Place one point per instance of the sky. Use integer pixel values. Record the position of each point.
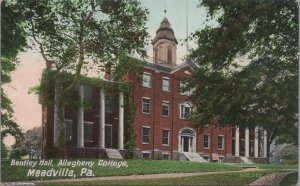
(26, 107)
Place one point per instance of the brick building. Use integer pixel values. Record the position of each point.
(160, 124)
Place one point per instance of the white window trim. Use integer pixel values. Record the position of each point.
(162, 85)
(146, 152)
(143, 135)
(166, 153)
(166, 145)
(167, 102)
(208, 141)
(223, 139)
(223, 157)
(143, 105)
(185, 103)
(150, 83)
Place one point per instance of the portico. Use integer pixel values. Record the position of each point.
(254, 145)
(103, 135)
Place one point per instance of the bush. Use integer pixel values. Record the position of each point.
(289, 153)
(52, 151)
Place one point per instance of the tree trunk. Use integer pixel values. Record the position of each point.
(62, 133)
(57, 90)
(59, 118)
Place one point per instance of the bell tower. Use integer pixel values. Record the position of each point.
(164, 44)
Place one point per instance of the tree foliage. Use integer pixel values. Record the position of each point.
(77, 36)
(13, 40)
(31, 142)
(259, 89)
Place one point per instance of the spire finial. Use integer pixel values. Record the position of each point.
(165, 11)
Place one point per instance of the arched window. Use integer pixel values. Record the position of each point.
(187, 132)
(185, 110)
(169, 60)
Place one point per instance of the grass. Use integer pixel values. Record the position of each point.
(212, 179)
(135, 167)
(290, 179)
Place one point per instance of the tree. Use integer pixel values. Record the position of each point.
(3, 150)
(259, 91)
(72, 35)
(289, 153)
(13, 40)
(31, 142)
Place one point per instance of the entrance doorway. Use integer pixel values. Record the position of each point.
(187, 143)
(108, 136)
(187, 140)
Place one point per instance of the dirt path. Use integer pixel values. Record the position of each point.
(147, 176)
(271, 179)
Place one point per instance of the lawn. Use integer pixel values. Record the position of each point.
(290, 179)
(217, 179)
(135, 167)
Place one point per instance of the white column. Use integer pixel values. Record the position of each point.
(121, 121)
(256, 142)
(190, 150)
(194, 144)
(80, 123)
(102, 120)
(237, 141)
(247, 140)
(179, 143)
(265, 143)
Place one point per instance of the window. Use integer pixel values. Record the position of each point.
(221, 159)
(169, 54)
(206, 141)
(69, 127)
(206, 158)
(165, 137)
(88, 131)
(166, 84)
(165, 109)
(146, 155)
(146, 135)
(147, 80)
(220, 142)
(146, 106)
(88, 94)
(166, 156)
(185, 111)
(108, 103)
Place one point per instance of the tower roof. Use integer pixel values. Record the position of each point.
(165, 31)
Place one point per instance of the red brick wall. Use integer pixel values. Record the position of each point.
(157, 122)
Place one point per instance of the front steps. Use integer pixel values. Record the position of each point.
(246, 160)
(113, 154)
(194, 157)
